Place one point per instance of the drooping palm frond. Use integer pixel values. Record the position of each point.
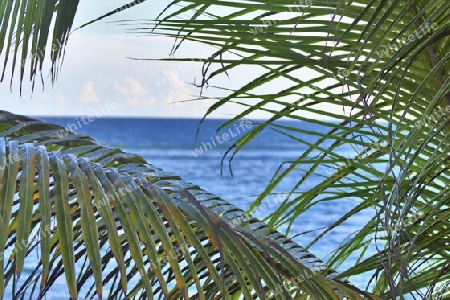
(108, 223)
(387, 63)
(32, 31)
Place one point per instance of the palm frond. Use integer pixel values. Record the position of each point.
(112, 225)
(387, 64)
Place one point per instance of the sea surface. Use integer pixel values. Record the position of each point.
(174, 146)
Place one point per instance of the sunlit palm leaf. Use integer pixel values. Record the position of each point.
(110, 224)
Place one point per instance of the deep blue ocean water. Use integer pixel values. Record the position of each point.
(171, 144)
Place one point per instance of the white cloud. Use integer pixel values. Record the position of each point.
(131, 87)
(134, 93)
(89, 95)
(179, 90)
(175, 79)
(179, 100)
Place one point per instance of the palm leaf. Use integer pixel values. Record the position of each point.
(388, 64)
(113, 225)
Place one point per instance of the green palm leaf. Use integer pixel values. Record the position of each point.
(112, 224)
(387, 63)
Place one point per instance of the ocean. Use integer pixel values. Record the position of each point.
(172, 144)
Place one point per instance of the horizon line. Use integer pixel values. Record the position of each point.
(166, 117)
(147, 117)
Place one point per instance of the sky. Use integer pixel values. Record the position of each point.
(97, 76)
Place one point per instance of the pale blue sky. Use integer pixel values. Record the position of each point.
(97, 73)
